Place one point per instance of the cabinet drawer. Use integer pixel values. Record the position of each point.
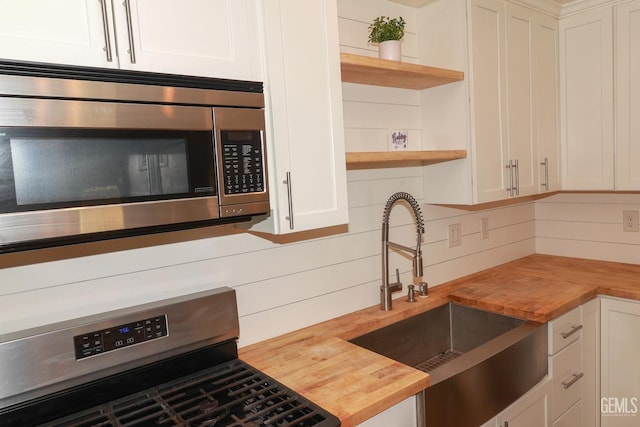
(571, 418)
(564, 330)
(566, 371)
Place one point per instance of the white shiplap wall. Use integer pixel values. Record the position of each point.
(587, 225)
(282, 287)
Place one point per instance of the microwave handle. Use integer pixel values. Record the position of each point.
(287, 181)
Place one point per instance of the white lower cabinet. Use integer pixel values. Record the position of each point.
(590, 315)
(402, 414)
(573, 365)
(571, 418)
(531, 410)
(620, 379)
(567, 371)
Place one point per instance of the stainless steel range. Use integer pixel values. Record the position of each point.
(170, 363)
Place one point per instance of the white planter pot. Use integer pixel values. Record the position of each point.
(390, 50)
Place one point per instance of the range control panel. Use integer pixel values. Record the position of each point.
(242, 160)
(97, 342)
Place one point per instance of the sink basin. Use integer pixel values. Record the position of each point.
(479, 362)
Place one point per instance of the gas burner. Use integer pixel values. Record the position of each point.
(230, 395)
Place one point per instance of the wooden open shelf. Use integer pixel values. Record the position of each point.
(374, 159)
(381, 72)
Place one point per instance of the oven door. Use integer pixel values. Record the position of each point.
(70, 168)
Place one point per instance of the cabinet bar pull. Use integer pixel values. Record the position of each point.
(132, 52)
(517, 172)
(576, 377)
(574, 329)
(546, 173)
(510, 167)
(290, 196)
(105, 29)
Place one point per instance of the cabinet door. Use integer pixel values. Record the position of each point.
(487, 39)
(628, 96)
(546, 95)
(571, 418)
(590, 320)
(63, 32)
(530, 410)
(586, 82)
(620, 369)
(307, 170)
(402, 414)
(210, 38)
(521, 132)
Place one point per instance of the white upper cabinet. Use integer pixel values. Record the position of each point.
(65, 32)
(627, 63)
(600, 81)
(307, 170)
(210, 38)
(546, 95)
(522, 134)
(489, 135)
(586, 73)
(511, 124)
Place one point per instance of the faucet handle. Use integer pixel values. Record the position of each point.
(397, 286)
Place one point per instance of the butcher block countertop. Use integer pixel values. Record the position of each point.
(355, 384)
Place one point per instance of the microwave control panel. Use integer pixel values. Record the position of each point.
(98, 342)
(242, 162)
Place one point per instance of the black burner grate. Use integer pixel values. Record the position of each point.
(230, 395)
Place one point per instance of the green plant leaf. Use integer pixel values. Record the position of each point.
(384, 28)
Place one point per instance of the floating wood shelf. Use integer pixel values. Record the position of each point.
(381, 72)
(366, 159)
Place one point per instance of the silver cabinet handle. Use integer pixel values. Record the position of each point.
(574, 329)
(510, 167)
(132, 51)
(105, 29)
(290, 196)
(517, 173)
(572, 381)
(546, 173)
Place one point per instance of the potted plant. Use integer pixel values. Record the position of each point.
(387, 32)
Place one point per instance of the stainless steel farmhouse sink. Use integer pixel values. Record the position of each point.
(479, 362)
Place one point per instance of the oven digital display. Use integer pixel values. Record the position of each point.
(98, 342)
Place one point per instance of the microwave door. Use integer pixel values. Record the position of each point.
(159, 171)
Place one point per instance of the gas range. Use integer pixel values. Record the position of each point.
(170, 363)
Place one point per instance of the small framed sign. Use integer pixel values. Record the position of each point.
(398, 140)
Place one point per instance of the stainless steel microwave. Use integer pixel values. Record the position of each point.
(93, 154)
